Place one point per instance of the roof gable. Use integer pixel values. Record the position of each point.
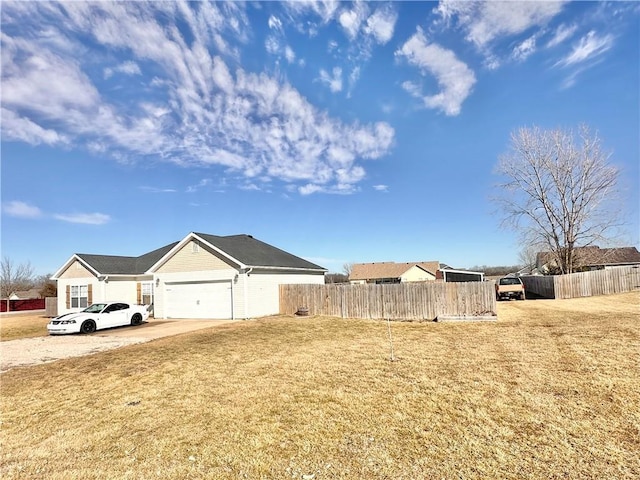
(379, 270)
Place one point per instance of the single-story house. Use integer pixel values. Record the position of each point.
(25, 294)
(592, 258)
(392, 272)
(201, 276)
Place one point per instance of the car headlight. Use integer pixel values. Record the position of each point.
(66, 322)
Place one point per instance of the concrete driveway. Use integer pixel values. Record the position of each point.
(33, 351)
(160, 328)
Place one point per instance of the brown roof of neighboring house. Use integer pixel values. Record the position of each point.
(596, 256)
(26, 294)
(367, 271)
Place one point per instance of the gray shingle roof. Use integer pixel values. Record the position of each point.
(254, 253)
(244, 248)
(118, 265)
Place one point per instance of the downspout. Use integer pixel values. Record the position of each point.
(233, 297)
(246, 296)
(104, 287)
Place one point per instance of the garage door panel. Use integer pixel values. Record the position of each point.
(199, 299)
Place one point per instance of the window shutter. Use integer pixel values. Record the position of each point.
(89, 294)
(139, 292)
(68, 296)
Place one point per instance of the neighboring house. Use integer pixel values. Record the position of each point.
(201, 276)
(391, 272)
(592, 258)
(25, 294)
(447, 274)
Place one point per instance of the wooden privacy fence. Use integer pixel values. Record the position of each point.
(51, 307)
(585, 284)
(540, 285)
(403, 301)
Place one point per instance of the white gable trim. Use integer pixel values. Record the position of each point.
(182, 243)
(69, 262)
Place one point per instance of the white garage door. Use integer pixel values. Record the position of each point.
(198, 299)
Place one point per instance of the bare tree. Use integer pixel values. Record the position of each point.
(346, 268)
(561, 191)
(335, 278)
(46, 287)
(528, 256)
(14, 277)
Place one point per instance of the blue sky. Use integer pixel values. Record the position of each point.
(341, 132)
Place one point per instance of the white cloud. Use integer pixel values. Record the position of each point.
(325, 9)
(289, 54)
(382, 24)
(84, 218)
(351, 20)
(586, 53)
(202, 183)
(194, 111)
(127, 68)
(250, 187)
(333, 82)
(20, 209)
(485, 21)
(274, 23)
(18, 128)
(272, 45)
(157, 189)
(381, 188)
(340, 189)
(276, 42)
(354, 76)
(363, 29)
(454, 77)
(525, 49)
(562, 33)
(589, 47)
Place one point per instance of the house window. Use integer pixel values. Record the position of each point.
(195, 247)
(147, 293)
(79, 296)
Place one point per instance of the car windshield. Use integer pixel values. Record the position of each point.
(95, 308)
(509, 281)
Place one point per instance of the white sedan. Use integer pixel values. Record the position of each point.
(99, 316)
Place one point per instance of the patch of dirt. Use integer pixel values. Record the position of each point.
(34, 351)
(37, 350)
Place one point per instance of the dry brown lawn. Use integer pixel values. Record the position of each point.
(22, 326)
(551, 390)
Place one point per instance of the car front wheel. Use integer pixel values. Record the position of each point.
(136, 319)
(88, 326)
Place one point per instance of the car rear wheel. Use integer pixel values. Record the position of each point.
(88, 326)
(136, 319)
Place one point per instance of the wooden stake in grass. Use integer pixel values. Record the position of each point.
(392, 358)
